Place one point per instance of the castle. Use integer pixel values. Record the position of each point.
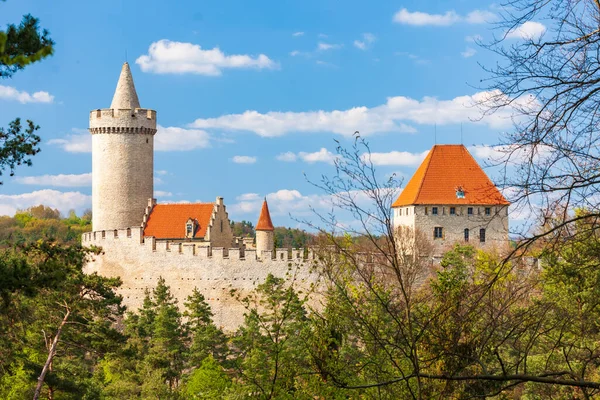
(192, 245)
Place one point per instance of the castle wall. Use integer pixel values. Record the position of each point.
(216, 272)
(122, 166)
(495, 225)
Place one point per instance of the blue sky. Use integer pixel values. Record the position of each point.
(261, 89)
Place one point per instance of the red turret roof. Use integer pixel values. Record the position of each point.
(168, 221)
(264, 220)
(446, 170)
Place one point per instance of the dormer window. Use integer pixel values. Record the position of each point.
(190, 228)
(460, 192)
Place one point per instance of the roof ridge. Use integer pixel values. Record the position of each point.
(428, 159)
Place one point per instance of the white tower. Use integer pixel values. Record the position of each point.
(122, 158)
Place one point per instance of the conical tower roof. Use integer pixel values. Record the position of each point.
(264, 220)
(125, 95)
(450, 175)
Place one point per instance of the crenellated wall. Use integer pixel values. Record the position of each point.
(140, 261)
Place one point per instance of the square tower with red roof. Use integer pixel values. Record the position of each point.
(451, 200)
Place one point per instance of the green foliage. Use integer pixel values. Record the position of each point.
(242, 229)
(43, 223)
(17, 144)
(22, 45)
(208, 382)
(291, 237)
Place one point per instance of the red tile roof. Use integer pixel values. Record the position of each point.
(446, 169)
(264, 220)
(167, 221)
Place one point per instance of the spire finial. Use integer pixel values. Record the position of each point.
(125, 95)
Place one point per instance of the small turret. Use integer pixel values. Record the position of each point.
(264, 231)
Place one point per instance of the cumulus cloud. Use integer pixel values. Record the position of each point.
(244, 159)
(296, 34)
(469, 52)
(418, 18)
(168, 57)
(10, 93)
(180, 139)
(288, 156)
(365, 43)
(528, 30)
(402, 158)
(392, 116)
(509, 153)
(60, 180)
(162, 193)
(166, 139)
(322, 155)
(63, 201)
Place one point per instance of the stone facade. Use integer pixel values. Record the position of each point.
(215, 271)
(453, 221)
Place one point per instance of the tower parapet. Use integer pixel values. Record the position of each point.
(122, 158)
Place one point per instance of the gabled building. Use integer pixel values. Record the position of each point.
(451, 200)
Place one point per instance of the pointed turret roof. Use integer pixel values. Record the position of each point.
(264, 220)
(450, 175)
(125, 95)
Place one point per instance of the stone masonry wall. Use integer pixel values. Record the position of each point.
(139, 262)
(219, 231)
(122, 166)
(495, 224)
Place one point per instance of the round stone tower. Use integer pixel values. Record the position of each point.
(122, 158)
(265, 238)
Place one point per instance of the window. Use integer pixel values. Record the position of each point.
(460, 193)
(221, 225)
(438, 232)
(407, 211)
(488, 211)
(470, 210)
(426, 210)
(189, 229)
(452, 210)
(482, 235)
(400, 212)
(466, 234)
(434, 210)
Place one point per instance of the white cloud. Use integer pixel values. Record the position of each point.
(63, 201)
(78, 143)
(166, 139)
(60, 180)
(161, 193)
(244, 159)
(415, 58)
(469, 52)
(480, 17)
(322, 155)
(392, 116)
(167, 57)
(403, 158)
(509, 154)
(473, 38)
(288, 156)
(161, 172)
(528, 30)
(327, 46)
(248, 197)
(368, 39)
(326, 64)
(418, 18)
(10, 93)
(296, 34)
(180, 139)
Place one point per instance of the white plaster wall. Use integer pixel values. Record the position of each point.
(265, 241)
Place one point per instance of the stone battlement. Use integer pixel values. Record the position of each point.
(108, 120)
(201, 250)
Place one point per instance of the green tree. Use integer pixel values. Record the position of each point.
(206, 339)
(20, 46)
